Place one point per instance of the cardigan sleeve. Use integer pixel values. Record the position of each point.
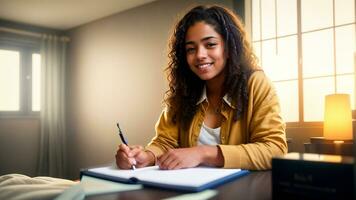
(166, 135)
(265, 127)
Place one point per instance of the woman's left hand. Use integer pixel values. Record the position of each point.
(180, 158)
(191, 157)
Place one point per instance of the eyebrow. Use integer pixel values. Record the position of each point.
(204, 39)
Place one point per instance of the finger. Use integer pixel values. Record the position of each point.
(120, 155)
(122, 160)
(173, 165)
(169, 163)
(164, 157)
(132, 161)
(136, 147)
(143, 159)
(134, 152)
(124, 148)
(165, 164)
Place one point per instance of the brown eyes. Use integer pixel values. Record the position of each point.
(189, 50)
(209, 45)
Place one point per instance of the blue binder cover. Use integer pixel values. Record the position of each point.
(188, 180)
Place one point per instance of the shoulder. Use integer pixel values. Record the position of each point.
(260, 86)
(259, 79)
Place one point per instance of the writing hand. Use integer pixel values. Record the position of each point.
(143, 158)
(129, 155)
(124, 157)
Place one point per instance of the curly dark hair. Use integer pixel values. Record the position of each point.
(185, 88)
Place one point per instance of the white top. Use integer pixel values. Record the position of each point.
(209, 136)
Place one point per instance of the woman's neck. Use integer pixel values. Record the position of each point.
(214, 92)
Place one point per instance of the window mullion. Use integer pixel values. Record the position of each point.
(261, 42)
(25, 82)
(22, 73)
(334, 47)
(300, 63)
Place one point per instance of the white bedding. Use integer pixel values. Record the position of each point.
(21, 187)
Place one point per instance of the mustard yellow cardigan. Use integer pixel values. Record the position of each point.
(248, 143)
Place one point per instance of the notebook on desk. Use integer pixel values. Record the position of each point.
(191, 179)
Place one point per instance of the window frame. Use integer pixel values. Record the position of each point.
(25, 97)
(249, 24)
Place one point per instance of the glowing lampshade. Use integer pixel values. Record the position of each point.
(337, 117)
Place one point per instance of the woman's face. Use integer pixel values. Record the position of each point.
(205, 51)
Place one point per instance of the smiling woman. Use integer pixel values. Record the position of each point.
(221, 109)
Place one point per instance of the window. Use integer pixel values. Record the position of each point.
(307, 48)
(20, 72)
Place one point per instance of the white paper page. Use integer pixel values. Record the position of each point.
(186, 177)
(114, 171)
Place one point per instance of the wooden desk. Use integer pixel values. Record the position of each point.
(254, 186)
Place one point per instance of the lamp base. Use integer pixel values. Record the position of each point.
(320, 145)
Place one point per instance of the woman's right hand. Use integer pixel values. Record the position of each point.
(134, 155)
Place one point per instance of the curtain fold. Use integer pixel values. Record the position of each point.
(52, 155)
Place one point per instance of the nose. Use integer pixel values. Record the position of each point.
(201, 53)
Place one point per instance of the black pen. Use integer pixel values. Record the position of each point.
(123, 140)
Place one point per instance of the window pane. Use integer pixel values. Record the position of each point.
(255, 20)
(346, 84)
(268, 19)
(288, 96)
(316, 14)
(9, 80)
(315, 91)
(344, 11)
(257, 50)
(345, 48)
(318, 53)
(36, 82)
(286, 17)
(280, 64)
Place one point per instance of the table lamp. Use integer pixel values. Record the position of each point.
(338, 133)
(338, 118)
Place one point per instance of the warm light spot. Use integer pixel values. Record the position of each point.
(9, 80)
(324, 65)
(36, 82)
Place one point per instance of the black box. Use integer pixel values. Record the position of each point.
(312, 176)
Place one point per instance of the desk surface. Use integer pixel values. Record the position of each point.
(254, 186)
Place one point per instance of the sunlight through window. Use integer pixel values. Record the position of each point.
(306, 59)
(36, 82)
(9, 80)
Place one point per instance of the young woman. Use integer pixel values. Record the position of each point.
(221, 109)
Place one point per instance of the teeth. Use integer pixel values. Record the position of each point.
(202, 66)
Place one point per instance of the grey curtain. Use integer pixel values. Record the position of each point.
(53, 156)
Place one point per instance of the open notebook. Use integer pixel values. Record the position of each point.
(192, 179)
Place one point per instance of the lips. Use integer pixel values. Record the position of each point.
(204, 65)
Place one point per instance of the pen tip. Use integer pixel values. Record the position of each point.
(118, 126)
